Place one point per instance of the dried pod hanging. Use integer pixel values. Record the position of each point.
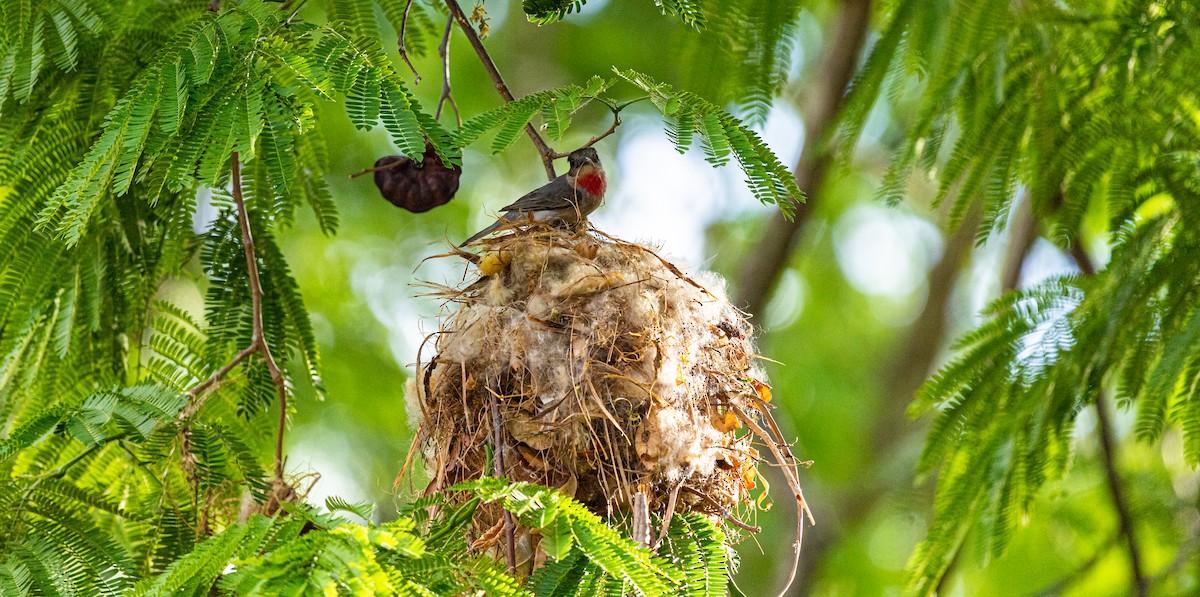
(608, 373)
(417, 187)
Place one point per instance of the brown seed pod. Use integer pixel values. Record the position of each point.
(417, 187)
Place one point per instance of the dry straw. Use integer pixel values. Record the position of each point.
(598, 368)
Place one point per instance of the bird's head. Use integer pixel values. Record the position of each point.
(580, 158)
(586, 171)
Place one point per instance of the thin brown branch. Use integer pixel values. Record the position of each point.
(725, 513)
(1079, 254)
(787, 466)
(258, 344)
(373, 169)
(612, 129)
(770, 257)
(1020, 240)
(670, 513)
(444, 53)
(1060, 586)
(1108, 452)
(401, 44)
(1108, 449)
(257, 337)
(197, 394)
(489, 65)
(641, 519)
(499, 470)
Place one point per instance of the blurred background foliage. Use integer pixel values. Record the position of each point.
(867, 305)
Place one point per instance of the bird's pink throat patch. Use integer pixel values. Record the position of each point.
(592, 182)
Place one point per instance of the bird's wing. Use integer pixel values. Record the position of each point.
(556, 194)
(482, 233)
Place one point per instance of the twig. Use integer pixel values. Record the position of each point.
(444, 53)
(1064, 583)
(257, 336)
(489, 65)
(196, 395)
(387, 166)
(616, 112)
(499, 470)
(400, 43)
(725, 513)
(641, 519)
(59, 472)
(295, 7)
(258, 342)
(791, 475)
(1109, 451)
(612, 129)
(670, 513)
(1024, 232)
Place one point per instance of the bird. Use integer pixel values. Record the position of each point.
(568, 198)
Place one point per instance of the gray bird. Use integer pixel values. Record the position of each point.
(568, 198)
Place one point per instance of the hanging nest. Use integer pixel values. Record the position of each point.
(609, 375)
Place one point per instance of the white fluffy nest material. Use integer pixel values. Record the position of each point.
(607, 371)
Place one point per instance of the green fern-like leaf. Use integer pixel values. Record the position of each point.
(544, 12)
(721, 136)
(619, 557)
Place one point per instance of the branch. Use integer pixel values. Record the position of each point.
(500, 471)
(444, 53)
(1060, 586)
(616, 112)
(770, 257)
(1024, 232)
(612, 129)
(725, 513)
(1109, 451)
(258, 342)
(196, 394)
(400, 43)
(1079, 254)
(257, 337)
(489, 65)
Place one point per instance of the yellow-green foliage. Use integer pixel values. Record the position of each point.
(113, 117)
(1089, 110)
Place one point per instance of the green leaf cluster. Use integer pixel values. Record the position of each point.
(544, 12)
(556, 107)
(722, 137)
(121, 472)
(592, 558)
(1086, 110)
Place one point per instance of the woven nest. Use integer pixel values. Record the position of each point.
(608, 373)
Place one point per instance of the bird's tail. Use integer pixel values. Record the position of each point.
(482, 233)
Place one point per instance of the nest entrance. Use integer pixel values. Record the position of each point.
(606, 372)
